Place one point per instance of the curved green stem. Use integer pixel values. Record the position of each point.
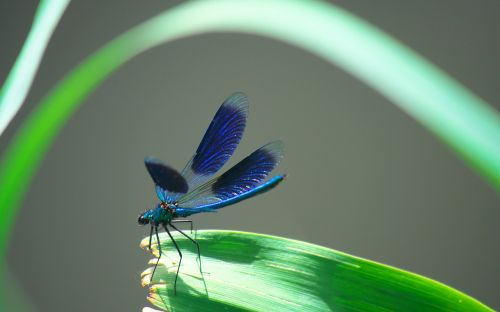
(18, 82)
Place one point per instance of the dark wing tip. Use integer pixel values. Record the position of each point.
(249, 172)
(275, 150)
(151, 159)
(165, 177)
(239, 100)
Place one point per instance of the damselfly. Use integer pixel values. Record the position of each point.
(194, 190)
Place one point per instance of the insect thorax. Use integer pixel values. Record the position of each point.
(165, 212)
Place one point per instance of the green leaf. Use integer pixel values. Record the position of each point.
(248, 271)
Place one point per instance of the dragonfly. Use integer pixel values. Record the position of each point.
(196, 190)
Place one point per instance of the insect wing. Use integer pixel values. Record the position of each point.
(163, 195)
(211, 207)
(169, 182)
(219, 142)
(243, 177)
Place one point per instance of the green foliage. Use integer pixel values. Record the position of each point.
(248, 271)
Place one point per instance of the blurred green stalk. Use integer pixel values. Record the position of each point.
(12, 96)
(18, 82)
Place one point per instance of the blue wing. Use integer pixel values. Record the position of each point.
(169, 182)
(211, 207)
(219, 142)
(240, 182)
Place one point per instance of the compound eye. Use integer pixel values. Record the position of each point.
(142, 220)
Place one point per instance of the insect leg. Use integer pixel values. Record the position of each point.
(150, 237)
(184, 221)
(159, 249)
(192, 240)
(180, 256)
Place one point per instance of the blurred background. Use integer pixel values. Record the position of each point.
(364, 178)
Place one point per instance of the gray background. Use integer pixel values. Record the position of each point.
(365, 178)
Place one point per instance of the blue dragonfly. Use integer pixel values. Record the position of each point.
(195, 190)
